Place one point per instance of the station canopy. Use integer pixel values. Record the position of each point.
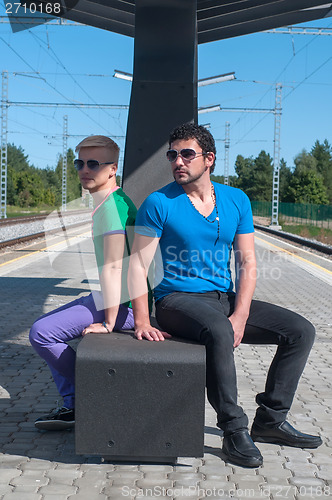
(216, 19)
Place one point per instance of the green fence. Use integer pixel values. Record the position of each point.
(317, 215)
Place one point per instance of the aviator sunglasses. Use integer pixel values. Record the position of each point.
(187, 154)
(92, 164)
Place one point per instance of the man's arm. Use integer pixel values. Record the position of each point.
(143, 251)
(110, 282)
(245, 282)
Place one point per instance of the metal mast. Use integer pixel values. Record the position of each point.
(4, 128)
(227, 143)
(276, 158)
(64, 163)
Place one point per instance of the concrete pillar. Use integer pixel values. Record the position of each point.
(164, 90)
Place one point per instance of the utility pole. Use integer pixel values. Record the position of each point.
(64, 163)
(227, 143)
(90, 201)
(4, 128)
(276, 158)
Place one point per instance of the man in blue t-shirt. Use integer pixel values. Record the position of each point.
(193, 225)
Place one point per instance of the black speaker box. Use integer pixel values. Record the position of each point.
(139, 400)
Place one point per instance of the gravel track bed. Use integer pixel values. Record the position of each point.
(9, 232)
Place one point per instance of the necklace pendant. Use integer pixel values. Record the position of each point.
(217, 218)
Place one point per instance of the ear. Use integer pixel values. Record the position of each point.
(209, 159)
(113, 169)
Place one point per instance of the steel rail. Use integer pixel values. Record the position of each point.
(316, 245)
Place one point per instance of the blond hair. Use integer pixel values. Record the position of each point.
(99, 141)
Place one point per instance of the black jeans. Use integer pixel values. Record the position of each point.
(203, 317)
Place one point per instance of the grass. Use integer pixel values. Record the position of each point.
(308, 231)
(16, 211)
(321, 234)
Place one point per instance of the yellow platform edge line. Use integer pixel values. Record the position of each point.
(43, 249)
(294, 255)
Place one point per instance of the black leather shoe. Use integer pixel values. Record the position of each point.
(239, 449)
(284, 434)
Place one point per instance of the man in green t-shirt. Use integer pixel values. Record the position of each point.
(112, 218)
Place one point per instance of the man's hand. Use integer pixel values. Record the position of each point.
(238, 324)
(148, 332)
(96, 328)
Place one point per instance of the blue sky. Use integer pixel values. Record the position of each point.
(67, 56)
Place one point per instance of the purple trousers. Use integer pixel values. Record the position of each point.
(49, 335)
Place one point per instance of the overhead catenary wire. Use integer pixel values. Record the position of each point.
(286, 96)
(278, 79)
(26, 126)
(50, 85)
(309, 76)
(49, 50)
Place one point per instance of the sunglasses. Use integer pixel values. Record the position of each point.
(187, 154)
(92, 164)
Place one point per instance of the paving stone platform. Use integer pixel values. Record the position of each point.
(38, 465)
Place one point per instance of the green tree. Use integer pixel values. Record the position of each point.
(261, 189)
(50, 197)
(24, 185)
(28, 186)
(74, 189)
(16, 159)
(243, 169)
(232, 179)
(322, 152)
(30, 190)
(306, 184)
(217, 178)
(285, 176)
(51, 183)
(11, 186)
(255, 176)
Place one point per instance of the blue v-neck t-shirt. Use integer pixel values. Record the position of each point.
(191, 260)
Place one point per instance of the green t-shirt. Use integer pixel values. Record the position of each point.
(114, 215)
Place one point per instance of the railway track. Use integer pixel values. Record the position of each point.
(35, 236)
(60, 216)
(303, 242)
(11, 221)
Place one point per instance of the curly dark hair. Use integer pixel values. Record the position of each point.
(202, 136)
